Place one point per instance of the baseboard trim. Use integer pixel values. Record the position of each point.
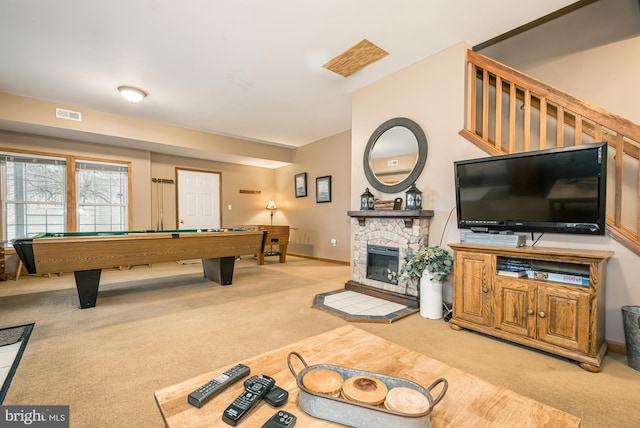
(403, 299)
(338, 262)
(617, 347)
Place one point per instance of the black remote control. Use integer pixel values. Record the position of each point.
(248, 400)
(276, 397)
(281, 419)
(206, 392)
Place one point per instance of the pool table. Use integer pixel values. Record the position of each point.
(87, 253)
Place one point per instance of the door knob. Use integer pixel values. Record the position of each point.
(181, 221)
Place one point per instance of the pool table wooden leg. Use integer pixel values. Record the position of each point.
(87, 282)
(219, 270)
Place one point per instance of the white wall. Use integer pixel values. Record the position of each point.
(431, 92)
(314, 225)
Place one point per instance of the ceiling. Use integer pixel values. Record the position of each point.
(245, 68)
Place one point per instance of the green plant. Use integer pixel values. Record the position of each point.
(436, 260)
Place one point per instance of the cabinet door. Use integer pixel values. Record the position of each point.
(515, 306)
(563, 317)
(472, 287)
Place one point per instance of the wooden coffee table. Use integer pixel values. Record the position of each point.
(469, 400)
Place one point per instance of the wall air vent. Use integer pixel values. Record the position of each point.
(68, 114)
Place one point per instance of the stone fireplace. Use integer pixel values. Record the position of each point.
(393, 229)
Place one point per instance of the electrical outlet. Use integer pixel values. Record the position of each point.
(229, 207)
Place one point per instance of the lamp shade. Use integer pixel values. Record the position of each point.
(131, 94)
(271, 206)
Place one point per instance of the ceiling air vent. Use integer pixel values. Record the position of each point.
(356, 58)
(68, 114)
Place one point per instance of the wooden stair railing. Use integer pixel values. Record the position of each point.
(495, 124)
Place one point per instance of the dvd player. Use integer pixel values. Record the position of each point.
(511, 240)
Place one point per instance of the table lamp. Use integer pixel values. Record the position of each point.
(271, 206)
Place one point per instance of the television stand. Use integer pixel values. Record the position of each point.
(562, 318)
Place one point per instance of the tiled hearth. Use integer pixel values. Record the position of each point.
(357, 307)
(403, 229)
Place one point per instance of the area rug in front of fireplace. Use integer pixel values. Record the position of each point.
(358, 307)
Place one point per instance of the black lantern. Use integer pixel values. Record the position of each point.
(366, 200)
(413, 198)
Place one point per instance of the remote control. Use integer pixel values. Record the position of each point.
(206, 392)
(281, 419)
(248, 400)
(276, 397)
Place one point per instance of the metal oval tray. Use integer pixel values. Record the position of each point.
(355, 414)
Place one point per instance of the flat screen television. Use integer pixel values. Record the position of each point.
(555, 190)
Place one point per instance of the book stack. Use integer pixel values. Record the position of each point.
(512, 267)
(564, 273)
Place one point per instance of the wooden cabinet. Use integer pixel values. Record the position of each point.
(472, 276)
(560, 318)
(564, 317)
(515, 307)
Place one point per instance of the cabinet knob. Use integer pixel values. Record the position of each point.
(485, 289)
(542, 314)
(529, 311)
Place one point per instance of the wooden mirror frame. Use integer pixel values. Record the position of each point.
(417, 168)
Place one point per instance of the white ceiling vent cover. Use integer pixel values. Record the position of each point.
(68, 114)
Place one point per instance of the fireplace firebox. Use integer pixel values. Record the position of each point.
(382, 263)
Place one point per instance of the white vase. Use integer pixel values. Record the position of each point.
(430, 297)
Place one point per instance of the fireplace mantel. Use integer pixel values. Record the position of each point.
(407, 215)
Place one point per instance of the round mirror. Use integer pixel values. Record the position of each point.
(395, 155)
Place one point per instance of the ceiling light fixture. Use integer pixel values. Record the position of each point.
(131, 94)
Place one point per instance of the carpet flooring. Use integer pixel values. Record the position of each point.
(155, 327)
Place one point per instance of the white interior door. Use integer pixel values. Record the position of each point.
(198, 199)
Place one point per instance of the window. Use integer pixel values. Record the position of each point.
(62, 193)
(102, 196)
(34, 195)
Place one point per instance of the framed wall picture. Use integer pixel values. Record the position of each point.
(323, 189)
(300, 183)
